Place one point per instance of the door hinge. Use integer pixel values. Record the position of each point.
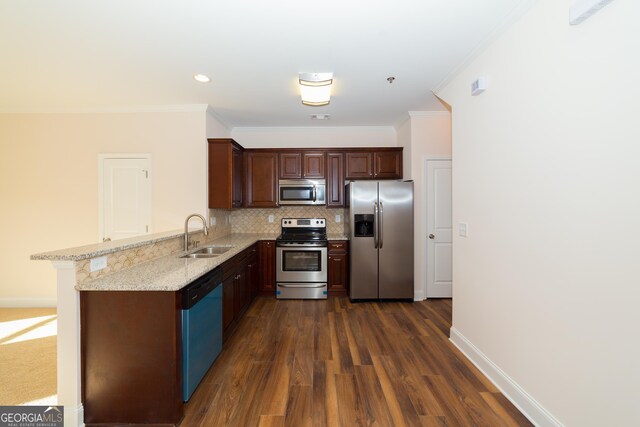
(146, 173)
(147, 227)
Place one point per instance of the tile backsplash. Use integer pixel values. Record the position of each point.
(257, 220)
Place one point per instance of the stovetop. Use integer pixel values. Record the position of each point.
(303, 230)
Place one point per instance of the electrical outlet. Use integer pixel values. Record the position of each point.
(338, 218)
(212, 220)
(99, 263)
(271, 218)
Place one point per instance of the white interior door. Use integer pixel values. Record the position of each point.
(125, 197)
(439, 229)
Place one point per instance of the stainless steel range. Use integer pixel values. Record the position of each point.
(301, 259)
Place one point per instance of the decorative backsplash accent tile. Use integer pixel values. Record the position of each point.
(129, 257)
(257, 220)
(124, 259)
(227, 222)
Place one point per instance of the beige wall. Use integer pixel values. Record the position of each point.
(282, 137)
(426, 134)
(546, 175)
(49, 184)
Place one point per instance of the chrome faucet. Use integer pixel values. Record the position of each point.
(186, 229)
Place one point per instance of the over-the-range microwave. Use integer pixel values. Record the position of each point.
(301, 192)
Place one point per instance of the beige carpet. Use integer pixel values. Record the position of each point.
(27, 356)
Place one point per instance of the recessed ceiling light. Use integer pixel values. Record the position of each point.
(201, 78)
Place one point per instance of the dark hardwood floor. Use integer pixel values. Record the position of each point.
(334, 363)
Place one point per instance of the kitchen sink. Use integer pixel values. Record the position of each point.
(208, 252)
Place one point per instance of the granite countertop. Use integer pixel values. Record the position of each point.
(171, 273)
(337, 236)
(105, 248)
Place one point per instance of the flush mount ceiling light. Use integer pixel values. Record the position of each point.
(315, 88)
(201, 78)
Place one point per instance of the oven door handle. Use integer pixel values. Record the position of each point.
(301, 286)
(375, 224)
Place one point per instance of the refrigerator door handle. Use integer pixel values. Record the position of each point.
(380, 235)
(375, 225)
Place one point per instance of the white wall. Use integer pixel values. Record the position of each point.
(282, 137)
(49, 183)
(427, 134)
(546, 173)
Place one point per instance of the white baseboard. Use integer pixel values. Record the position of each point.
(529, 407)
(419, 295)
(28, 302)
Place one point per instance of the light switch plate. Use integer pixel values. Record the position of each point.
(338, 218)
(271, 218)
(463, 229)
(99, 263)
(212, 220)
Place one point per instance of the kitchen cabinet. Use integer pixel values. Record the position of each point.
(261, 179)
(267, 260)
(131, 357)
(387, 164)
(225, 173)
(374, 164)
(239, 285)
(301, 164)
(253, 274)
(335, 180)
(337, 268)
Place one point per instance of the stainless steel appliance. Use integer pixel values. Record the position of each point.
(301, 259)
(381, 234)
(301, 192)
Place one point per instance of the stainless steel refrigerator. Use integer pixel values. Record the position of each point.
(381, 234)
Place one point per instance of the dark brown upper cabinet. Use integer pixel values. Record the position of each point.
(261, 189)
(387, 164)
(335, 180)
(374, 164)
(359, 165)
(225, 173)
(305, 164)
(290, 165)
(313, 164)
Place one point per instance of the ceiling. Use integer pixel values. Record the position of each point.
(83, 54)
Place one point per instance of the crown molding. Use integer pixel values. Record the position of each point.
(312, 128)
(186, 108)
(224, 122)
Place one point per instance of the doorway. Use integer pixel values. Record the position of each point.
(439, 228)
(124, 195)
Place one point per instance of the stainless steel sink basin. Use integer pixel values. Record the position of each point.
(194, 255)
(208, 252)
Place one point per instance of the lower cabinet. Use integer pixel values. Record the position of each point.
(240, 284)
(131, 357)
(338, 268)
(267, 260)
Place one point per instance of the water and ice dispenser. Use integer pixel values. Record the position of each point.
(363, 225)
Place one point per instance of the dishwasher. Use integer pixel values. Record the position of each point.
(201, 329)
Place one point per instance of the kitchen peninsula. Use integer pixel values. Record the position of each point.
(138, 268)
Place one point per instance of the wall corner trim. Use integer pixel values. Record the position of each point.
(209, 110)
(529, 407)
